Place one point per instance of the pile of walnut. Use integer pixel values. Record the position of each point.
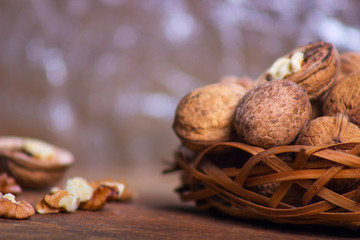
(310, 96)
(80, 194)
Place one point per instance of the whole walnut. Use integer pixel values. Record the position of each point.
(204, 116)
(343, 96)
(272, 114)
(314, 67)
(328, 130)
(350, 63)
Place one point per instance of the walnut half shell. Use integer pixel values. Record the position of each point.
(33, 163)
(320, 67)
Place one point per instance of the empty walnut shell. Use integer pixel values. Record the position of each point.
(204, 116)
(319, 70)
(328, 130)
(343, 96)
(26, 168)
(272, 114)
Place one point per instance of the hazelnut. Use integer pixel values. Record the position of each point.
(204, 116)
(328, 130)
(314, 67)
(343, 96)
(272, 114)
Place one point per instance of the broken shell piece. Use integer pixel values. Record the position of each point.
(33, 163)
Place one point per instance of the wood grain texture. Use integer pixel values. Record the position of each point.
(155, 215)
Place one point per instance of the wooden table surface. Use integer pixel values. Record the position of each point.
(156, 213)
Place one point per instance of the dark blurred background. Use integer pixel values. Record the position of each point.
(103, 78)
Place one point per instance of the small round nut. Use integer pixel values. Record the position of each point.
(315, 72)
(204, 116)
(343, 96)
(328, 130)
(272, 114)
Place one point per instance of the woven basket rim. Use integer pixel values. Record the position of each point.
(312, 167)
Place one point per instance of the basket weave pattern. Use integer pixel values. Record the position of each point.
(308, 177)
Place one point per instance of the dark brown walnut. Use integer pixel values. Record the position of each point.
(318, 71)
(272, 114)
(204, 116)
(33, 163)
(328, 130)
(344, 96)
(350, 63)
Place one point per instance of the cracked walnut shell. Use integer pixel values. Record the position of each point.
(316, 73)
(33, 163)
(204, 116)
(272, 114)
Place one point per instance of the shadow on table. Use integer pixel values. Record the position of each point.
(306, 230)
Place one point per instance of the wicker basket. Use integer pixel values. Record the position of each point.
(288, 184)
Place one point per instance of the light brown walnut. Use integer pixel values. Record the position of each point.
(343, 96)
(350, 63)
(204, 116)
(328, 130)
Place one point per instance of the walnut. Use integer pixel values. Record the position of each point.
(123, 193)
(272, 114)
(350, 63)
(314, 67)
(204, 116)
(80, 188)
(8, 184)
(80, 194)
(100, 197)
(33, 163)
(328, 130)
(10, 208)
(244, 81)
(59, 201)
(343, 96)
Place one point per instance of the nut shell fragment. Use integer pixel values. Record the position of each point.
(272, 114)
